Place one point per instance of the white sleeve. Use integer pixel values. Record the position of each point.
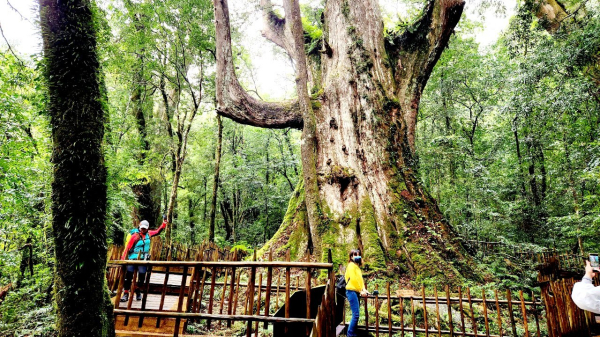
(586, 296)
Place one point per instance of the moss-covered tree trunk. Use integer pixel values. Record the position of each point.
(79, 186)
(360, 188)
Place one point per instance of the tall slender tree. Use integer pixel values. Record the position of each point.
(359, 186)
(79, 188)
(213, 203)
(146, 191)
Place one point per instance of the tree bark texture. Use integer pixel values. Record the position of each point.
(359, 187)
(147, 196)
(118, 235)
(79, 188)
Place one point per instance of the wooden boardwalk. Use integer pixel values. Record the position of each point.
(149, 327)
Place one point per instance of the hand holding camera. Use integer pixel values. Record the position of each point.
(592, 266)
(594, 262)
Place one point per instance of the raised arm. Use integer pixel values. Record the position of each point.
(159, 230)
(232, 100)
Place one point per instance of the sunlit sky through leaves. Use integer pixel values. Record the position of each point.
(270, 72)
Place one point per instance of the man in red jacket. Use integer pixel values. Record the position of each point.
(138, 248)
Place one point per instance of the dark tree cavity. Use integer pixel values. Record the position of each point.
(79, 201)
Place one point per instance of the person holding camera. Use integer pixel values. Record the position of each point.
(138, 248)
(355, 285)
(585, 295)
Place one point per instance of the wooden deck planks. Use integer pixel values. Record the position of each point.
(153, 302)
(167, 326)
(174, 279)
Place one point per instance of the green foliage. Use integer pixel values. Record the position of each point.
(241, 246)
(27, 310)
(24, 199)
(531, 89)
(313, 32)
(258, 167)
(24, 149)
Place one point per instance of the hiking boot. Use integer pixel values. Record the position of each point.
(138, 295)
(125, 297)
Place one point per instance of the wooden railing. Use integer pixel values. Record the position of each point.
(488, 313)
(194, 303)
(161, 251)
(458, 313)
(208, 251)
(563, 317)
(227, 291)
(324, 324)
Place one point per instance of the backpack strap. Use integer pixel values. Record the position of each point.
(131, 251)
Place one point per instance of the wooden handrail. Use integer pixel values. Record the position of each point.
(453, 300)
(227, 264)
(187, 315)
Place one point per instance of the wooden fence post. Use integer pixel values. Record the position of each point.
(269, 280)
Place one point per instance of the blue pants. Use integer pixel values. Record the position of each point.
(353, 301)
(129, 276)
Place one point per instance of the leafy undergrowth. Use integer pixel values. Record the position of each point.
(507, 273)
(27, 310)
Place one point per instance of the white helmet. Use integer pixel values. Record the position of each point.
(144, 224)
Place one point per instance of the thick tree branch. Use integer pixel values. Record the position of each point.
(417, 50)
(232, 100)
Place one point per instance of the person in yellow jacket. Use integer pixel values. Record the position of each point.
(354, 286)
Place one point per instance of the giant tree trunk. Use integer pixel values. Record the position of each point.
(360, 188)
(79, 186)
